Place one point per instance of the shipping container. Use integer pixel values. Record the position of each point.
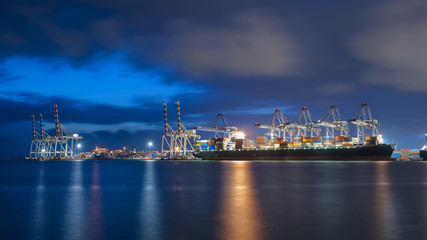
(297, 139)
(261, 139)
(339, 140)
(316, 140)
(327, 138)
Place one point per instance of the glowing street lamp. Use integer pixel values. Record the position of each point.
(150, 144)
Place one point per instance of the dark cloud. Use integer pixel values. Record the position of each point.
(253, 43)
(5, 76)
(395, 45)
(74, 111)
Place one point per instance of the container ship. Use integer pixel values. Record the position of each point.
(316, 148)
(301, 140)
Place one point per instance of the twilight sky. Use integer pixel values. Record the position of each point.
(110, 64)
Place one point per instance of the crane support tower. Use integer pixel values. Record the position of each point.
(177, 143)
(364, 120)
(424, 148)
(221, 129)
(277, 125)
(332, 121)
(59, 146)
(305, 123)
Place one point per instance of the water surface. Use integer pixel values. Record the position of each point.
(212, 200)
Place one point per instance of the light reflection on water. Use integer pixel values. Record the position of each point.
(96, 216)
(74, 224)
(37, 230)
(240, 212)
(213, 200)
(384, 208)
(150, 216)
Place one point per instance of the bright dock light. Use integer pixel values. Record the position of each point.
(380, 138)
(240, 135)
(150, 144)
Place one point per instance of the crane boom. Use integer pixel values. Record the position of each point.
(221, 127)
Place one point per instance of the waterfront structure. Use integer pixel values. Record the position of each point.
(177, 143)
(60, 146)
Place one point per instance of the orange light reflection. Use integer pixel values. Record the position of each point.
(240, 211)
(384, 205)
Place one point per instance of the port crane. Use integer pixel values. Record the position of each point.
(424, 148)
(60, 146)
(221, 129)
(276, 124)
(364, 120)
(332, 121)
(305, 123)
(42, 145)
(177, 143)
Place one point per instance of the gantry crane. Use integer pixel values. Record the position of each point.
(42, 145)
(221, 129)
(277, 125)
(177, 143)
(332, 121)
(364, 119)
(60, 146)
(305, 123)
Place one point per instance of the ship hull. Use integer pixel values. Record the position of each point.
(360, 153)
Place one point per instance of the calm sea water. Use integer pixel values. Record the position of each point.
(212, 200)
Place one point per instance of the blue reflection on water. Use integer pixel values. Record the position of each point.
(38, 226)
(150, 215)
(212, 200)
(96, 216)
(74, 217)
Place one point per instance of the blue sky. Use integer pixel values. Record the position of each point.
(109, 65)
(91, 82)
